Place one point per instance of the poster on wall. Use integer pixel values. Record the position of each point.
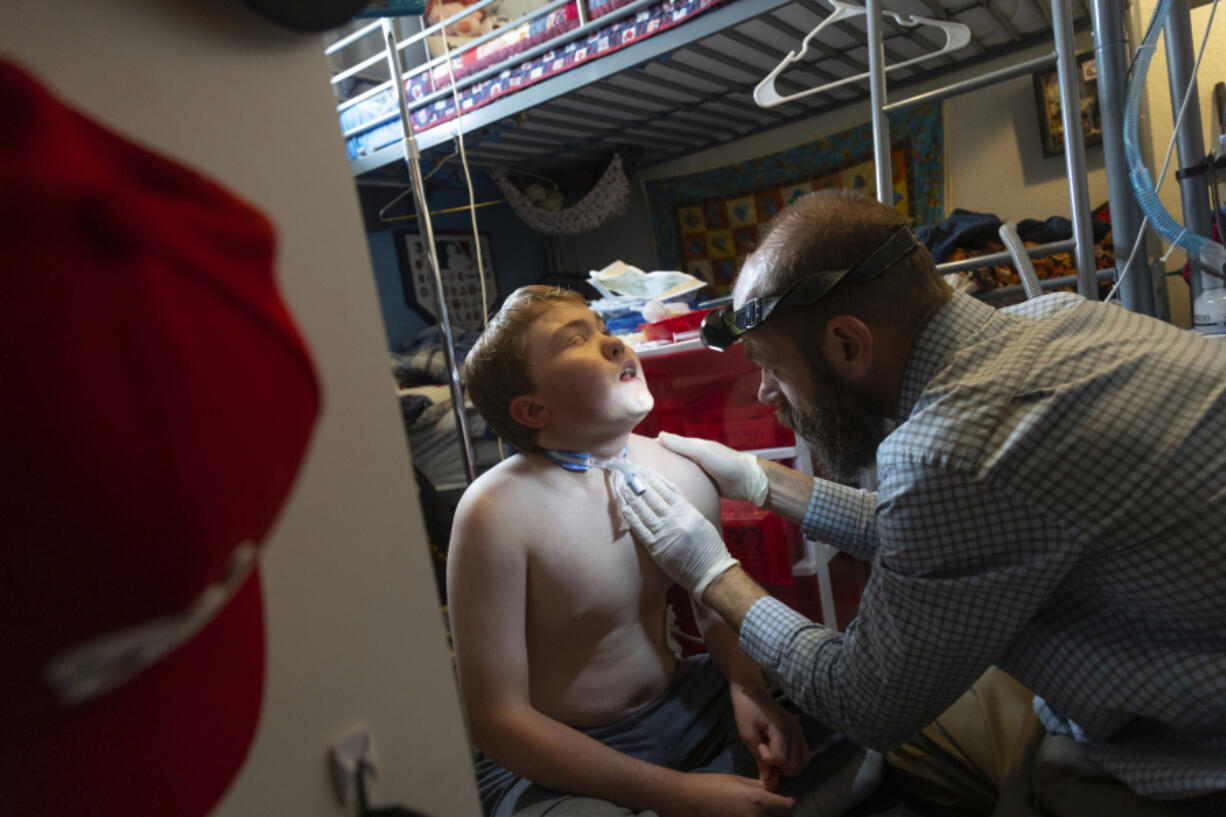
(457, 257)
(1047, 99)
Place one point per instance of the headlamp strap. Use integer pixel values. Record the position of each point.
(882, 259)
(750, 316)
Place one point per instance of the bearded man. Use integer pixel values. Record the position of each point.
(1048, 516)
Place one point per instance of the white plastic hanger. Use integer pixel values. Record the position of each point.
(956, 36)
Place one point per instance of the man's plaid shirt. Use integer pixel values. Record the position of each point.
(1053, 501)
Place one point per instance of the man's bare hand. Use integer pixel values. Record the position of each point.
(772, 734)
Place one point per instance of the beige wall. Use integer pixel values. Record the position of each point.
(995, 164)
(353, 626)
(994, 160)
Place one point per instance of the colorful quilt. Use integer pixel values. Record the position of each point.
(706, 223)
(717, 235)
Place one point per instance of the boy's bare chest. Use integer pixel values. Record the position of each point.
(582, 565)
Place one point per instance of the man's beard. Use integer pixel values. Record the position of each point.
(842, 431)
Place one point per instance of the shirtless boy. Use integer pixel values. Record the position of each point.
(558, 618)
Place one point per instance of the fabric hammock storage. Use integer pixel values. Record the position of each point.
(606, 200)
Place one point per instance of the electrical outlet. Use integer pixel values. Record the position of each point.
(352, 744)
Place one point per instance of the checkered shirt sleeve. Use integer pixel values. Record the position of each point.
(844, 517)
(933, 616)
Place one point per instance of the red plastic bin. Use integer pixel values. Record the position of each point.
(669, 328)
(701, 392)
(743, 435)
(763, 542)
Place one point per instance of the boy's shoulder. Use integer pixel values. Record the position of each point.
(497, 519)
(649, 452)
(691, 479)
(502, 487)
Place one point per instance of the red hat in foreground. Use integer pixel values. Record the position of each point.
(157, 404)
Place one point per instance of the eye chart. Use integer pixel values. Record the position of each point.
(457, 257)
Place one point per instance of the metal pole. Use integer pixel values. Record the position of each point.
(882, 163)
(1002, 293)
(1005, 257)
(1177, 33)
(412, 157)
(1074, 146)
(974, 83)
(1111, 59)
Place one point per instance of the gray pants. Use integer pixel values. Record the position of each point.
(690, 728)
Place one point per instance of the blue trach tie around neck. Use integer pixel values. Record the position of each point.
(572, 460)
(583, 460)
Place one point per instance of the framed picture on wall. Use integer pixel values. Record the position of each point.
(1047, 99)
(457, 256)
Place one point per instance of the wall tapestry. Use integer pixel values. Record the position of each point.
(706, 223)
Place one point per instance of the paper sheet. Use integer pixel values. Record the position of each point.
(620, 278)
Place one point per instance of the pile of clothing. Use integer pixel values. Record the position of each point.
(966, 234)
(421, 361)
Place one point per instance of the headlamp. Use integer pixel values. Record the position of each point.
(723, 327)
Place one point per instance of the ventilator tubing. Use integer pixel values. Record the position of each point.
(1021, 259)
(1209, 252)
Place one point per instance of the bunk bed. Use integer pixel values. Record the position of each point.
(577, 80)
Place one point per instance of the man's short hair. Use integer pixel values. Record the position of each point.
(496, 369)
(834, 229)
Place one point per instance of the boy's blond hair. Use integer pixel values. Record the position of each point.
(496, 370)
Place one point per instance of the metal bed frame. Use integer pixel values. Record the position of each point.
(731, 21)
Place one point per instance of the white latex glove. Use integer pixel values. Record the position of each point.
(685, 545)
(736, 474)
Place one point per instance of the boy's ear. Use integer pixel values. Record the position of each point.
(527, 412)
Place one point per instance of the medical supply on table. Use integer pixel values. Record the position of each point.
(657, 310)
(620, 278)
(676, 328)
(1209, 312)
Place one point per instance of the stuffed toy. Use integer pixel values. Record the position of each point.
(473, 25)
(551, 200)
